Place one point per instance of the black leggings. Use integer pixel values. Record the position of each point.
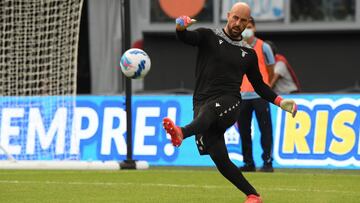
(210, 122)
(219, 154)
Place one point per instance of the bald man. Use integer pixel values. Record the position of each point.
(222, 61)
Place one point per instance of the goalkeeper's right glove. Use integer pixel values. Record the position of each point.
(183, 22)
(288, 105)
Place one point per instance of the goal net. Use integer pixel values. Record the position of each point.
(38, 65)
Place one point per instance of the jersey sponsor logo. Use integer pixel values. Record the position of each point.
(217, 104)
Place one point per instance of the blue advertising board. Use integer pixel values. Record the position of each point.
(324, 134)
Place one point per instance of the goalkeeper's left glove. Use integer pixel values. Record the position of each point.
(288, 105)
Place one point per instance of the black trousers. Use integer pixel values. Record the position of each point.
(262, 112)
(211, 119)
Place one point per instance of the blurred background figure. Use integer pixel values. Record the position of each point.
(284, 80)
(252, 102)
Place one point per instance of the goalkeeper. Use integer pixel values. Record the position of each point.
(223, 59)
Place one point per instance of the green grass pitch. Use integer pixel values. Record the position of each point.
(167, 184)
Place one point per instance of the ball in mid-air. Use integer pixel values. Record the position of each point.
(135, 63)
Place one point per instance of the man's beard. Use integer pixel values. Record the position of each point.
(235, 34)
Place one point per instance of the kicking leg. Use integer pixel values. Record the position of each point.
(204, 117)
(201, 122)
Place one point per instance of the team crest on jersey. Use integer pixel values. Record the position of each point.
(243, 53)
(220, 41)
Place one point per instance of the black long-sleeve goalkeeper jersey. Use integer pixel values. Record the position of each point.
(222, 63)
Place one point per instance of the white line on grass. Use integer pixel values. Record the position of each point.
(171, 185)
(317, 174)
(113, 183)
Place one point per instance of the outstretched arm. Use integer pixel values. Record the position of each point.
(265, 91)
(188, 37)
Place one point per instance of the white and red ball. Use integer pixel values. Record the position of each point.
(135, 63)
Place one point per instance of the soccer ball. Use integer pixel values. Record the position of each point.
(135, 63)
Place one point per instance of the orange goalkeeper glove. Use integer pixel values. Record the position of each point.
(184, 22)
